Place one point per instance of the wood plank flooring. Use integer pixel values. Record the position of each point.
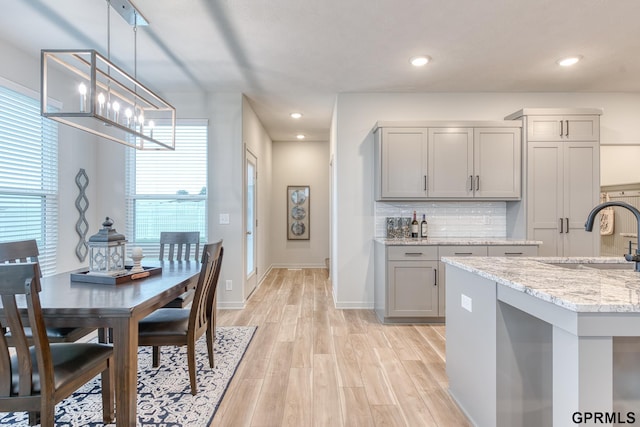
(310, 364)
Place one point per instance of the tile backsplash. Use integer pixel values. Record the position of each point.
(448, 219)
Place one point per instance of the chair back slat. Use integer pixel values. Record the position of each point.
(23, 280)
(198, 319)
(19, 252)
(181, 242)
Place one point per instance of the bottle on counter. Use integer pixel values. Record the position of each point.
(414, 226)
(423, 227)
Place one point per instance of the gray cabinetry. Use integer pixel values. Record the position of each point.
(401, 171)
(448, 161)
(412, 282)
(497, 158)
(562, 179)
(564, 128)
(410, 279)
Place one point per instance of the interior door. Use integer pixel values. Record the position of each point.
(250, 221)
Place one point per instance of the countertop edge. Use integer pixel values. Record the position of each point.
(456, 242)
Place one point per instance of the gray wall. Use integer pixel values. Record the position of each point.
(300, 163)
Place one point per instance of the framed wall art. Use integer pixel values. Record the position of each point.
(298, 212)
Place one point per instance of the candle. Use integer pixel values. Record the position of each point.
(101, 103)
(82, 88)
(116, 110)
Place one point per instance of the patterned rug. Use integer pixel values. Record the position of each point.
(164, 394)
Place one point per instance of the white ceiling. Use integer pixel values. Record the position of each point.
(296, 55)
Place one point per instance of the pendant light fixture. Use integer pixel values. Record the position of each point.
(99, 97)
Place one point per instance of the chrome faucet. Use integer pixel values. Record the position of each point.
(588, 226)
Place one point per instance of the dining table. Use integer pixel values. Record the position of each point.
(69, 303)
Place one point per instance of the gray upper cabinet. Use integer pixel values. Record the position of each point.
(497, 163)
(401, 158)
(564, 128)
(448, 161)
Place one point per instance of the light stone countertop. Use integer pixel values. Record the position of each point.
(458, 241)
(579, 290)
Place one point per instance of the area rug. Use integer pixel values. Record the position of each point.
(164, 394)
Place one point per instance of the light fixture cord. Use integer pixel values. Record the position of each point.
(135, 45)
(109, 30)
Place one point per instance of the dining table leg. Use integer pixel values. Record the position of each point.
(125, 350)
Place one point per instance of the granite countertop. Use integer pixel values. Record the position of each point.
(458, 241)
(581, 290)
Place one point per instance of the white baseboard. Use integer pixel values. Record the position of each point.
(354, 305)
(312, 265)
(230, 305)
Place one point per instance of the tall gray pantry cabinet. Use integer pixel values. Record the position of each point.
(562, 178)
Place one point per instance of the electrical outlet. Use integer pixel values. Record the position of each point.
(465, 301)
(229, 285)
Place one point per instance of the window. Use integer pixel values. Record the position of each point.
(28, 173)
(167, 190)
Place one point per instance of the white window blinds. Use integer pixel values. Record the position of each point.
(28, 173)
(167, 190)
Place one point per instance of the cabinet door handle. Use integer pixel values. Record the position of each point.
(513, 253)
(561, 226)
(567, 230)
(477, 182)
(470, 182)
(425, 183)
(567, 128)
(561, 127)
(413, 253)
(435, 277)
(463, 253)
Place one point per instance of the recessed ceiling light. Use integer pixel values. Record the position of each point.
(419, 61)
(569, 61)
(295, 115)
(300, 136)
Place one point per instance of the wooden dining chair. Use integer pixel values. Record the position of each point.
(34, 378)
(27, 251)
(178, 245)
(181, 326)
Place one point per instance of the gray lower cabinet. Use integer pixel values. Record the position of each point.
(409, 282)
(412, 288)
(406, 282)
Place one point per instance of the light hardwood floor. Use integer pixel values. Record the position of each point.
(310, 364)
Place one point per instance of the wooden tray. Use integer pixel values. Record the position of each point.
(83, 276)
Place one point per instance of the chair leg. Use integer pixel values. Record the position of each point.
(47, 417)
(156, 356)
(211, 337)
(191, 361)
(34, 418)
(108, 395)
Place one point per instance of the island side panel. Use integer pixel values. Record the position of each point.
(524, 369)
(471, 344)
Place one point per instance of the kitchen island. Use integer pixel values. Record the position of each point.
(543, 341)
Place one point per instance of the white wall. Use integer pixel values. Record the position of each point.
(300, 163)
(76, 149)
(352, 144)
(257, 141)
